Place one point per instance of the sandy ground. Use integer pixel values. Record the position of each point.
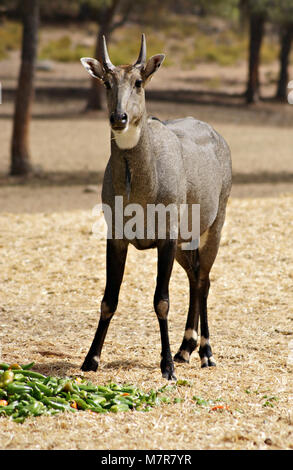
(52, 280)
(70, 153)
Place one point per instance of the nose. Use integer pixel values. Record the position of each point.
(118, 120)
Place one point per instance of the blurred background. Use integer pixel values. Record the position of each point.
(229, 62)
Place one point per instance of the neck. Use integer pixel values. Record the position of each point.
(134, 169)
(129, 138)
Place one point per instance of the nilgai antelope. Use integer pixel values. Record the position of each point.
(181, 161)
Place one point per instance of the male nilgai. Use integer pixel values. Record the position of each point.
(182, 161)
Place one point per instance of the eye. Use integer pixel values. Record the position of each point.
(107, 85)
(138, 83)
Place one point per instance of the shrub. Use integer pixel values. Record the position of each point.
(62, 50)
(10, 37)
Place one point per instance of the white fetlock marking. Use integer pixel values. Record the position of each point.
(96, 359)
(190, 333)
(204, 341)
(185, 355)
(204, 360)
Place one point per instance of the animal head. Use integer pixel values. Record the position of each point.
(125, 86)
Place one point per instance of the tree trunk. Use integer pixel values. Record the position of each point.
(20, 157)
(256, 35)
(286, 41)
(96, 93)
(243, 14)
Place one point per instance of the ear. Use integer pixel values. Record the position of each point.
(93, 66)
(153, 64)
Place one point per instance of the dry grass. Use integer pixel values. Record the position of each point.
(52, 280)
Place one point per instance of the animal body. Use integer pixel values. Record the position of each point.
(181, 161)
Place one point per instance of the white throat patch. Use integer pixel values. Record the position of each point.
(128, 138)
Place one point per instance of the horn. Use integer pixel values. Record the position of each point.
(142, 53)
(105, 57)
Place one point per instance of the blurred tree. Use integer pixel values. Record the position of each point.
(257, 11)
(223, 8)
(60, 11)
(106, 18)
(110, 15)
(282, 14)
(286, 41)
(253, 12)
(279, 12)
(20, 157)
(256, 32)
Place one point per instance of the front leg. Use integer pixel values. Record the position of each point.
(166, 255)
(116, 257)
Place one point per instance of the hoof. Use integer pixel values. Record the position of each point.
(207, 362)
(205, 354)
(90, 364)
(167, 369)
(168, 376)
(179, 357)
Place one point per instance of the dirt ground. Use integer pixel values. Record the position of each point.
(70, 148)
(70, 153)
(52, 280)
(53, 273)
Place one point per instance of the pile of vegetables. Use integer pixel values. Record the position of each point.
(25, 393)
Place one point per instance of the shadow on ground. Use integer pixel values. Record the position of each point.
(176, 96)
(96, 178)
(59, 368)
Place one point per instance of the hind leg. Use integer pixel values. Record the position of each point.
(205, 350)
(189, 260)
(197, 266)
(208, 250)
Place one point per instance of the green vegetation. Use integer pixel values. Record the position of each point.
(10, 38)
(269, 401)
(126, 51)
(25, 393)
(183, 383)
(186, 43)
(226, 48)
(201, 401)
(269, 51)
(222, 50)
(63, 50)
(123, 51)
